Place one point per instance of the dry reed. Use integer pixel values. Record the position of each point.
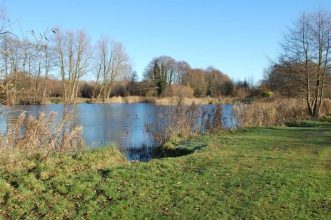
(264, 114)
(183, 120)
(173, 100)
(44, 132)
(178, 120)
(326, 107)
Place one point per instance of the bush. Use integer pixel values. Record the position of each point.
(267, 94)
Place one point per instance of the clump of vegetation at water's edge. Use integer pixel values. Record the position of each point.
(270, 173)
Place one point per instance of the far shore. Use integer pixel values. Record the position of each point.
(142, 99)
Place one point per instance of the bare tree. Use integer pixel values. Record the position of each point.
(4, 22)
(112, 65)
(73, 56)
(183, 69)
(306, 56)
(132, 83)
(45, 54)
(281, 82)
(11, 53)
(216, 81)
(9, 58)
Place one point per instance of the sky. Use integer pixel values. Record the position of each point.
(239, 37)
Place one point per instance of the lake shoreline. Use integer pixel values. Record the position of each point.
(267, 169)
(173, 100)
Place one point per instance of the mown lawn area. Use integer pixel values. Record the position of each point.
(269, 173)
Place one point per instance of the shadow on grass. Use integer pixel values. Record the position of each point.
(146, 153)
(178, 151)
(318, 124)
(300, 124)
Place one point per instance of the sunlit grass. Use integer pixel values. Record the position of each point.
(276, 173)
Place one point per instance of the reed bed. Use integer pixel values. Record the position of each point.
(273, 113)
(185, 101)
(173, 100)
(48, 145)
(44, 132)
(178, 121)
(182, 121)
(326, 107)
(131, 99)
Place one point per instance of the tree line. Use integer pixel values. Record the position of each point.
(39, 66)
(32, 65)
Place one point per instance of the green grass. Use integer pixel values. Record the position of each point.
(275, 173)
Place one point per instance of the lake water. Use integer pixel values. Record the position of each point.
(104, 124)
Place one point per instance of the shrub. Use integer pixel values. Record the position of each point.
(267, 94)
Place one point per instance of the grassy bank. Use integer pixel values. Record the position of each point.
(265, 173)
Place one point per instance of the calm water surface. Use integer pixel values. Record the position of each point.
(104, 124)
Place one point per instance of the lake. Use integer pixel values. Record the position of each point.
(104, 124)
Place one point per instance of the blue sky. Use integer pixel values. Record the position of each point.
(237, 37)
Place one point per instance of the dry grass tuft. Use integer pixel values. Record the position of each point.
(44, 132)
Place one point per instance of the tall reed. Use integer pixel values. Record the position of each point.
(44, 132)
(178, 120)
(264, 114)
(182, 120)
(187, 120)
(326, 107)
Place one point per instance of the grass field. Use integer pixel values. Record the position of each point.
(270, 173)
